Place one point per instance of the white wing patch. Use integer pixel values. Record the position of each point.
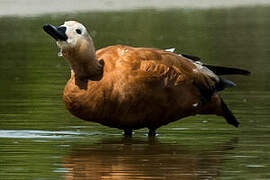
(202, 69)
(170, 50)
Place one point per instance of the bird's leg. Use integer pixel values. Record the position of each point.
(152, 132)
(128, 132)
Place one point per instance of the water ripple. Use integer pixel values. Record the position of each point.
(31, 134)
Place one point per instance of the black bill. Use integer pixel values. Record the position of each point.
(58, 33)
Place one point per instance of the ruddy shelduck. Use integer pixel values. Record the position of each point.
(132, 87)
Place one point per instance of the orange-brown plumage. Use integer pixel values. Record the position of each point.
(131, 88)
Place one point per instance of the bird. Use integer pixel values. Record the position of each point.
(130, 88)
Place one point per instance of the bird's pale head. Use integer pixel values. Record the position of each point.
(72, 38)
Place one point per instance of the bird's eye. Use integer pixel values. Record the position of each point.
(79, 31)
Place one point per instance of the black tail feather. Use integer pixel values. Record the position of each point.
(194, 58)
(224, 83)
(220, 70)
(228, 115)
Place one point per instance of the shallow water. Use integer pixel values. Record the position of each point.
(39, 139)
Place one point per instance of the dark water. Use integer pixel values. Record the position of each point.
(40, 140)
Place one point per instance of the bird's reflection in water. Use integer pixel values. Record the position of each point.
(135, 159)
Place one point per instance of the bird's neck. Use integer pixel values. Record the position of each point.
(85, 67)
(89, 68)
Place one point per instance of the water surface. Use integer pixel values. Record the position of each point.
(39, 139)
